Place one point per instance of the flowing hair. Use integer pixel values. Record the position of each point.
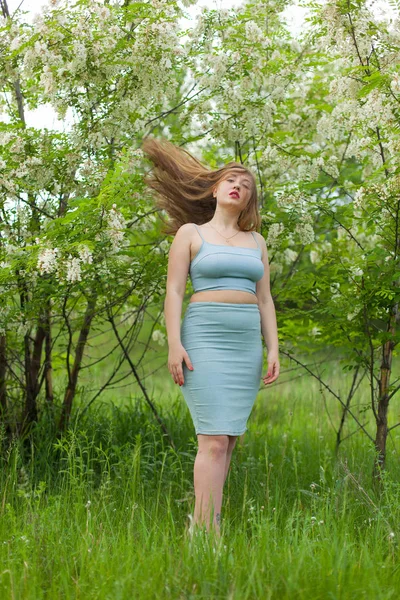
(184, 187)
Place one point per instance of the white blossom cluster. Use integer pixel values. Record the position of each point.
(74, 271)
(357, 308)
(133, 158)
(50, 261)
(147, 222)
(4, 313)
(116, 227)
(305, 232)
(79, 48)
(269, 154)
(315, 331)
(274, 232)
(335, 290)
(339, 34)
(85, 254)
(343, 87)
(27, 165)
(289, 255)
(359, 197)
(376, 111)
(331, 166)
(159, 337)
(47, 260)
(254, 33)
(163, 246)
(276, 266)
(395, 83)
(355, 272)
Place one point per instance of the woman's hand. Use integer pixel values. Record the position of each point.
(176, 355)
(273, 369)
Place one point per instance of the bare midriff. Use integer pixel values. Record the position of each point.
(236, 296)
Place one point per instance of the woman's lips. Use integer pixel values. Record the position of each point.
(235, 194)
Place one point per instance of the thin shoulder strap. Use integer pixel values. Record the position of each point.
(198, 229)
(255, 239)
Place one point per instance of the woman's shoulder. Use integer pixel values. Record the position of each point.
(187, 227)
(186, 232)
(260, 239)
(258, 235)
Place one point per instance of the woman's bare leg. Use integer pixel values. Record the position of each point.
(209, 474)
(231, 445)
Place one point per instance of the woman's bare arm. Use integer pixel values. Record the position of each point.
(178, 269)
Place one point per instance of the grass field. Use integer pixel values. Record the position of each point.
(102, 513)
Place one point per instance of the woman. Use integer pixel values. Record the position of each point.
(216, 353)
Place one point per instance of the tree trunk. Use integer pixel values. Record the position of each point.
(73, 378)
(345, 411)
(383, 402)
(48, 368)
(3, 371)
(32, 367)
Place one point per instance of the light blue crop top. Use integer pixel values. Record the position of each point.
(219, 267)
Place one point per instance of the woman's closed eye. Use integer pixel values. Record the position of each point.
(231, 179)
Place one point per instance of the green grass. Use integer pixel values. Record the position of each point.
(102, 512)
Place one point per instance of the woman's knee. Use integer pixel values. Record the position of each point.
(214, 445)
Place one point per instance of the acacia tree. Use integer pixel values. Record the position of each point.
(79, 237)
(355, 283)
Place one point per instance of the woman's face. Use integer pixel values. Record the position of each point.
(234, 182)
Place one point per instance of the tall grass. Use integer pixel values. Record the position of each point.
(102, 512)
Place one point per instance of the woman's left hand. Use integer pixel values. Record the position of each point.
(273, 369)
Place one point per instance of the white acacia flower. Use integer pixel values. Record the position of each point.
(295, 46)
(253, 32)
(15, 44)
(354, 313)
(290, 255)
(356, 271)
(273, 233)
(85, 254)
(305, 232)
(73, 269)
(116, 225)
(334, 288)
(359, 197)
(395, 84)
(276, 268)
(164, 245)
(17, 146)
(158, 336)
(47, 260)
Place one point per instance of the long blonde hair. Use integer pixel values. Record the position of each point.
(184, 186)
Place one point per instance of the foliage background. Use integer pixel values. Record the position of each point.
(97, 444)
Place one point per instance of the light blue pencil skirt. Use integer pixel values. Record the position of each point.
(223, 341)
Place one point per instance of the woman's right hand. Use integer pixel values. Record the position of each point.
(176, 355)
